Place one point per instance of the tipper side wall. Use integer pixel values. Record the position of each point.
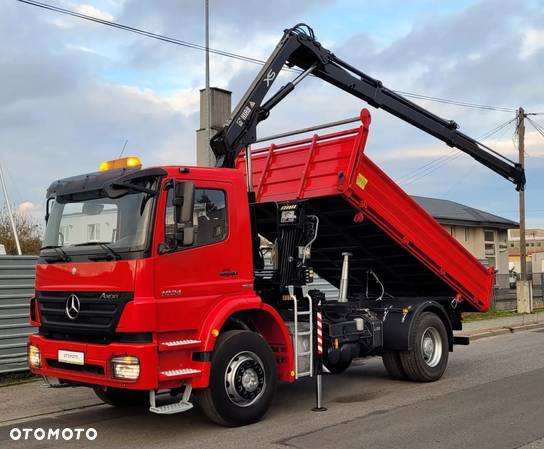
(365, 212)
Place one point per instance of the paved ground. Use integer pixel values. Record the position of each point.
(510, 321)
(492, 396)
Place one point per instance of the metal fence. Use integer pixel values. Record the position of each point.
(331, 292)
(504, 294)
(16, 288)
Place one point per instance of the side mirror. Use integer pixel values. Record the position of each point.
(184, 199)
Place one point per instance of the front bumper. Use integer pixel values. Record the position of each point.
(96, 369)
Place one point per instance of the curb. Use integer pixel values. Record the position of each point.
(502, 331)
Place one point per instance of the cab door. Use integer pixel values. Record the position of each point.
(190, 280)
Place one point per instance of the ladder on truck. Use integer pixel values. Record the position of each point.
(299, 331)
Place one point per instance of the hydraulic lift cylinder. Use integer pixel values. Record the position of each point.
(344, 280)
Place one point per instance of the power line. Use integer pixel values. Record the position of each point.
(410, 177)
(430, 170)
(455, 102)
(409, 174)
(237, 56)
(430, 167)
(139, 31)
(536, 126)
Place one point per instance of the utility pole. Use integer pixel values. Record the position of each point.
(522, 242)
(10, 212)
(208, 93)
(524, 290)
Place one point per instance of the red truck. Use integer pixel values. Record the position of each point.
(153, 286)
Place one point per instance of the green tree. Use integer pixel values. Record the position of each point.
(28, 230)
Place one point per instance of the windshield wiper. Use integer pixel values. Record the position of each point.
(60, 257)
(112, 254)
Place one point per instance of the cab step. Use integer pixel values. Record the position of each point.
(170, 409)
(174, 345)
(178, 373)
(175, 407)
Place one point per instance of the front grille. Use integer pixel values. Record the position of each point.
(86, 368)
(99, 312)
(118, 337)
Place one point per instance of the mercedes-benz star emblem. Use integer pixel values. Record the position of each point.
(72, 307)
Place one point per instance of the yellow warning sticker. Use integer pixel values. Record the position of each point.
(361, 181)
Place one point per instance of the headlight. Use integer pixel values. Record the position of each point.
(125, 367)
(34, 356)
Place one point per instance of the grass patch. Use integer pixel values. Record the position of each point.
(17, 378)
(492, 314)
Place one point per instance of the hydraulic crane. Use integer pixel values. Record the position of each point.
(299, 48)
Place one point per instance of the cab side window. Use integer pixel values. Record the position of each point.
(209, 216)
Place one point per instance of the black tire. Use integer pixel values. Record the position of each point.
(393, 365)
(239, 353)
(337, 368)
(123, 398)
(418, 365)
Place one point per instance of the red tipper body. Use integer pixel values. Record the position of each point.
(334, 167)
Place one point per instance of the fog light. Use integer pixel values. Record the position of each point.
(34, 356)
(125, 367)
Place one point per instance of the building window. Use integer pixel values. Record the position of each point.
(93, 232)
(490, 247)
(65, 234)
(467, 234)
(489, 236)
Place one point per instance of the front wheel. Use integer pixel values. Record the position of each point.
(429, 358)
(242, 379)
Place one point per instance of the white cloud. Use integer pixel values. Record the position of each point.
(27, 207)
(82, 48)
(90, 10)
(533, 41)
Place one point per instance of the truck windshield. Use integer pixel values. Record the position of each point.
(120, 223)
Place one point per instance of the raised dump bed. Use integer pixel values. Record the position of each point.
(363, 211)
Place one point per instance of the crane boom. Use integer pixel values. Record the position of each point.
(299, 48)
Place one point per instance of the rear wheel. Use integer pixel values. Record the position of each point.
(393, 364)
(123, 398)
(429, 358)
(242, 379)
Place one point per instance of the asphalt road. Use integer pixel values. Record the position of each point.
(492, 396)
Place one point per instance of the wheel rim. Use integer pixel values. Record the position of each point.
(245, 379)
(431, 347)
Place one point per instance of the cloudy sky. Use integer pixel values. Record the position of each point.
(73, 91)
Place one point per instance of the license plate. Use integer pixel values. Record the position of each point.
(73, 357)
